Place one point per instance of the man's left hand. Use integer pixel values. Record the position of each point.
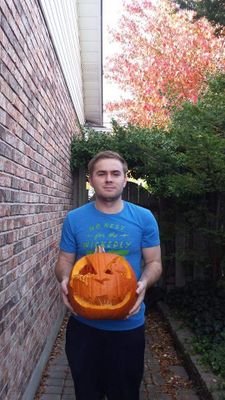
(141, 289)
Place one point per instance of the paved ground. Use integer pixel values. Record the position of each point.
(57, 382)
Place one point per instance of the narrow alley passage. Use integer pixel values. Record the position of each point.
(165, 377)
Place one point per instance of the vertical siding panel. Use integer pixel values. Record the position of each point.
(62, 20)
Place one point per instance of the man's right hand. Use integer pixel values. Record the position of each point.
(64, 292)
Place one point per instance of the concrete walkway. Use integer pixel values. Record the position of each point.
(57, 382)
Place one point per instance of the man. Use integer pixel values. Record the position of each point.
(106, 357)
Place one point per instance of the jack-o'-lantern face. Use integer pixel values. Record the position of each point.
(102, 286)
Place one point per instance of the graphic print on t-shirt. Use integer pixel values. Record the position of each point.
(113, 237)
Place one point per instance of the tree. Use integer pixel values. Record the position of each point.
(198, 132)
(184, 169)
(213, 10)
(164, 59)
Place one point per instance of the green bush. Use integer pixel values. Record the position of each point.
(201, 305)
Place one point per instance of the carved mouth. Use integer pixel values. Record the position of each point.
(102, 302)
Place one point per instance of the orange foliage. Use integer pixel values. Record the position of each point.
(163, 59)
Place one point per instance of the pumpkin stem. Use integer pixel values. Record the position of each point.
(99, 249)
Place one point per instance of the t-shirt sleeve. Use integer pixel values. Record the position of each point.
(150, 237)
(68, 240)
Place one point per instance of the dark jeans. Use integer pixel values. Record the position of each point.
(103, 362)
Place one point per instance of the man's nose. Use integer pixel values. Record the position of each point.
(108, 177)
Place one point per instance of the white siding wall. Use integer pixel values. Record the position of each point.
(90, 28)
(76, 30)
(62, 20)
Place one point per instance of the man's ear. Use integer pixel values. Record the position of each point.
(125, 182)
(89, 180)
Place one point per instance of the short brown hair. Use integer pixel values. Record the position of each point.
(106, 154)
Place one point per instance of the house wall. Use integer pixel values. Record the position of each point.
(90, 28)
(37, 123)
(63, 24)
(76, 30)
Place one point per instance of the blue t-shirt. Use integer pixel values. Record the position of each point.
(126, 233)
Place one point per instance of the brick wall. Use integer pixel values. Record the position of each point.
(37, 123)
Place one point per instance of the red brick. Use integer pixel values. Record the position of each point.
(5, 180)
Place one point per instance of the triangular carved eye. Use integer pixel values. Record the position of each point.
(88, 269)
(108, 271)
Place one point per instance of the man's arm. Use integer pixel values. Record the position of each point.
(62, 272)
(151, 273)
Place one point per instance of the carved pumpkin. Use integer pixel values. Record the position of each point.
(102, 286)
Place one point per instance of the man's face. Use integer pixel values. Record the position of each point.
(108, 179)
